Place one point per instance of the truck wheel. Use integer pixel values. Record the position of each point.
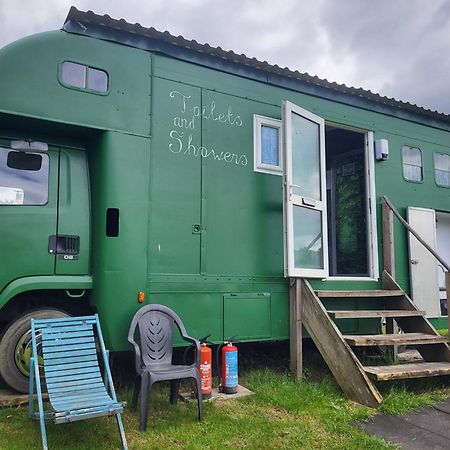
(16, 350)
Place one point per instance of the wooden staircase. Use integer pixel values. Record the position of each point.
(355, 378)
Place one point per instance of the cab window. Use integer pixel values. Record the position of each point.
(23, 177)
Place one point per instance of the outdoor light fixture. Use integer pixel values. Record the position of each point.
(381, 149)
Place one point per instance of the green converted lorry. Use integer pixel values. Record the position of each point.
(138, 167)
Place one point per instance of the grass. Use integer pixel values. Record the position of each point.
(282, 413)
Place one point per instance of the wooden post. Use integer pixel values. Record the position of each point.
(389, 266)
(296, 352)
(388, 239)
(392, 328)
(447, 289)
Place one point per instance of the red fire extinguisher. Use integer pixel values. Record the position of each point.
(205, 367)
(228, 367)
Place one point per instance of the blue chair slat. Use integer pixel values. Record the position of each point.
(61, 342)
(58, 322)
(75, 386)
(67, 377)
(73, 334)
(69, 327)
(83, 385)
(59, 361)
(80, 369)
(67, 351)
(74, 402)
(71, 354)
(87, 413)
(87, 395)
(61, 380)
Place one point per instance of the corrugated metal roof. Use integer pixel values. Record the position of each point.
(135, 35)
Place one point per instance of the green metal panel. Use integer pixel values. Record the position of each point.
(241, 209)
(119, 179)
(175, 180)
(39, 93)
(73, 210)
(201, 313)
(246, 316)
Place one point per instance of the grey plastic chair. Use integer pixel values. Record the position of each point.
(153, 355)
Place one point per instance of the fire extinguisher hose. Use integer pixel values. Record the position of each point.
(202, 340)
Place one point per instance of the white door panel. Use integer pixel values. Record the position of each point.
(423, 268)
(305, 212)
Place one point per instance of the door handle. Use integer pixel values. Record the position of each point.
(414, 261)
(61, 244)
(309, 202)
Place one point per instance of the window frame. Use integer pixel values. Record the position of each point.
(409, 180)
(258, 123)
(85, 89)
(434, 167)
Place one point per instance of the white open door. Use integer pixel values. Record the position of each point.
(423, 267)
(305, 209)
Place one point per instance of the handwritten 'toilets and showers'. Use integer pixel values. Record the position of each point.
(188, 118)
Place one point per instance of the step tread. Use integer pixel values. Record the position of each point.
(409, 370)
(361, 314)
(360, 294)
(394, 339)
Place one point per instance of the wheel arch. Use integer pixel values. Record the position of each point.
(30, 292)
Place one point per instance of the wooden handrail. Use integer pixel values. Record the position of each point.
(415, 234)
(388, 246)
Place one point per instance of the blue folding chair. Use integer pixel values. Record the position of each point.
(75, 386)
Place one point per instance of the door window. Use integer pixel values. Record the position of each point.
(23, 177)
(305, 200)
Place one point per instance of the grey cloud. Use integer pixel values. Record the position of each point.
(397, 48)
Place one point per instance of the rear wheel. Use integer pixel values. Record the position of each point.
(15, 348)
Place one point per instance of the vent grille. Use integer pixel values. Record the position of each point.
(72, 244)
(64, 244)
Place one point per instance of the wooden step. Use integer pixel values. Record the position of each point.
(359, 294)
(394, 339)
(410, 370)
(374, 314)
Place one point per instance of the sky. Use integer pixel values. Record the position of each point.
(396, 48)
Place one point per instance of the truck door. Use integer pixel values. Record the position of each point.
(73, 231)
(28, 211)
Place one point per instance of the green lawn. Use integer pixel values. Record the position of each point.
(282, 414)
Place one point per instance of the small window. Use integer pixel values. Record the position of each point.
(412, 164)
(84, 77)
(442, 169)
(97, 80)
(267, 145)
(23, 178)
(74, 74)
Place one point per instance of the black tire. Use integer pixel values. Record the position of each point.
(16, 332)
